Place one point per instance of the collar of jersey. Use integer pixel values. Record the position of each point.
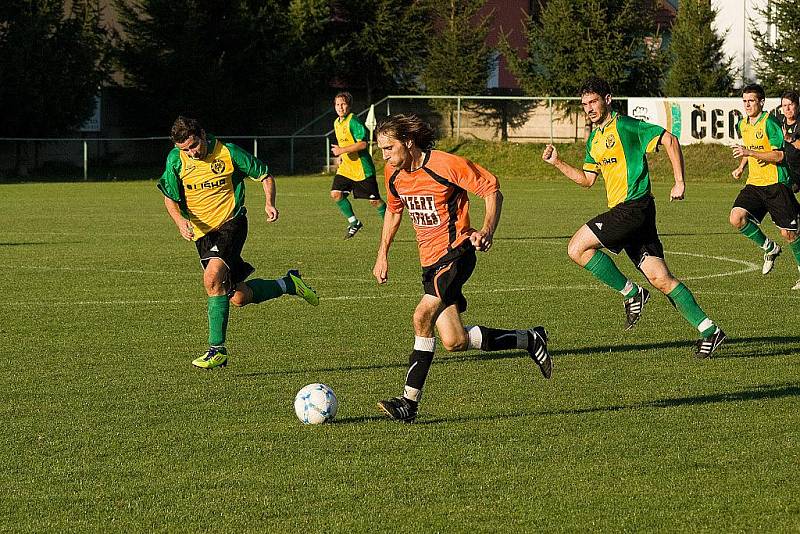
(614, 115)
(342, 119)
(212, 144)
(760, 118)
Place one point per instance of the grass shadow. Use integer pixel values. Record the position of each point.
(731, 348)
(769, 392)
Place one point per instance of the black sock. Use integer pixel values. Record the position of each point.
(419, 362)
(495, 339)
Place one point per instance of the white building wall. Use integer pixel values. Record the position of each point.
(737, 17)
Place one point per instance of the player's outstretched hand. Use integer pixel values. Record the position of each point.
(550, 154)
(481, 241)
(678, 191)
(272, 213)
(737, 173)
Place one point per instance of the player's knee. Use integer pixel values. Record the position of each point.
(336, 195)
(789, 235)
(213, 285)
(455, 343)
(575, 252)
(376, 203)
(737, 220)
(239, 299)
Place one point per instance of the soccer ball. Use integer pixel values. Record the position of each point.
(315, 404)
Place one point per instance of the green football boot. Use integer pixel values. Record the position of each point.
(214, 357)
(301, 289)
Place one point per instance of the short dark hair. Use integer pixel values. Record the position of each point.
(793, 96)
(755, 89)
(347, 97)
(596, 85)
(408, 127)
(185, 127)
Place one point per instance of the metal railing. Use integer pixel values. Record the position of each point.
(462, 112)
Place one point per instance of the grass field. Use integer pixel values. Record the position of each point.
(107, 427)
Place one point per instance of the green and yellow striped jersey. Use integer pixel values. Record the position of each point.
(617, 151)
(763, 136)
(210, 191)
(355, 165)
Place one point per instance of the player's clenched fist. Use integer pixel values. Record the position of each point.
(550, 154)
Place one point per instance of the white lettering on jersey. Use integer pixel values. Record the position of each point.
(421, 209)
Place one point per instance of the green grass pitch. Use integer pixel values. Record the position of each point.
(107, 427)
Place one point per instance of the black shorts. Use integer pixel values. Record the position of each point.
(226, 243)
(775, 199)
(366, 188)
(445, 278)
(630, 226)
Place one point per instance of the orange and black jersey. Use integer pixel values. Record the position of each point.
(436, 198)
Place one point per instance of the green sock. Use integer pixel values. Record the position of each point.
(266, 289)
(685, 303)
(345, 207)
(795, 246)
(752, 232)
(381, 209)
(602, 267)
(218, 309)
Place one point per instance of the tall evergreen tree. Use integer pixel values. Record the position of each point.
(575, 39)
(459, 59)
(380, 45)
(778, 63)
(698, 65)
(54, 62)
(220, 61)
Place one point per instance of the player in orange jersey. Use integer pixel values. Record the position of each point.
(432, 186)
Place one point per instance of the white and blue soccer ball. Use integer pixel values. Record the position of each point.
(315, 404)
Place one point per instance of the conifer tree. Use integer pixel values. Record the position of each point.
(459, 59)
(698, 65)
(575, 39)
(778, 63)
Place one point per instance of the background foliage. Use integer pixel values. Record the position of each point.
(53, 63)
(778, 66)
(697, 64)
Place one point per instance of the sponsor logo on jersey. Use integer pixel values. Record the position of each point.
(211, 184)
(421, 209)
(609, 161)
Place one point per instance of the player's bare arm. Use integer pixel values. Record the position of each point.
(268, 184)
(483, 238)
(582, 178)
(769, 156)
(391, 223)
(184, 226)
(337, 150)
(738, 171)
(673, 148)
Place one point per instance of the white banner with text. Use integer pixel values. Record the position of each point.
(696, 120)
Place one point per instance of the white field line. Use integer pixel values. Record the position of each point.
(784, 295)
(749, 267)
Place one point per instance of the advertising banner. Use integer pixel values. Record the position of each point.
(696, 120)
